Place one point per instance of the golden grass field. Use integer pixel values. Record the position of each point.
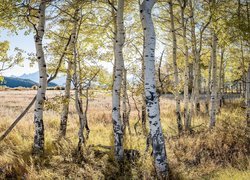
(221, 153)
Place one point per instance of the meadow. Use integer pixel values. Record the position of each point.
(220, 153)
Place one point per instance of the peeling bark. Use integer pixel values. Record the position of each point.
(152, 103)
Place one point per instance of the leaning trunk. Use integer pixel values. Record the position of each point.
(119, 65)
(152, 103)
(65, 108)
(38, 146)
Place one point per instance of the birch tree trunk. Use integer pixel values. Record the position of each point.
(124, 101)
(186, 74)
(248, 100)
(176, 78)
(143, 107)
(213, 83)
(65, 108)
(77, 84)
(243, 70)
(119, 65)
(195, 90)
(220, 78)
(152, 103)
(208, 91)
(38, 146)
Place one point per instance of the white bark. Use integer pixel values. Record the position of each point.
(38, 146)
(213, 83)
(176, 77)
(119, 65)
(152, 103)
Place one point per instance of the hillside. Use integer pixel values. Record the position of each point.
(34, 77)
(13, 82)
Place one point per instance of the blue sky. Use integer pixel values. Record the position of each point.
(23, 42)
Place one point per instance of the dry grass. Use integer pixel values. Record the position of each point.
(218, 154)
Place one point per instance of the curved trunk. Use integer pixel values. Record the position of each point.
(38, 146)
(152, 103)
(119, 65)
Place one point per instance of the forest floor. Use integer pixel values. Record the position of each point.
(220, 153)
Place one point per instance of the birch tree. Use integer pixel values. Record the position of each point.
(152, 103)
(118, 75)
(65, 108)
(38, 146)
(183, 5)
(248, 100)
(213, 82)
(220, 85)
(176, 78)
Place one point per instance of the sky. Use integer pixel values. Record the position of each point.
(26, 43)
(23, 42)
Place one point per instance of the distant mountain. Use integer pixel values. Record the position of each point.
(13, 82)
(35, 77)
(32, 76)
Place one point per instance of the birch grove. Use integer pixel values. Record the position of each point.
(176, 71)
